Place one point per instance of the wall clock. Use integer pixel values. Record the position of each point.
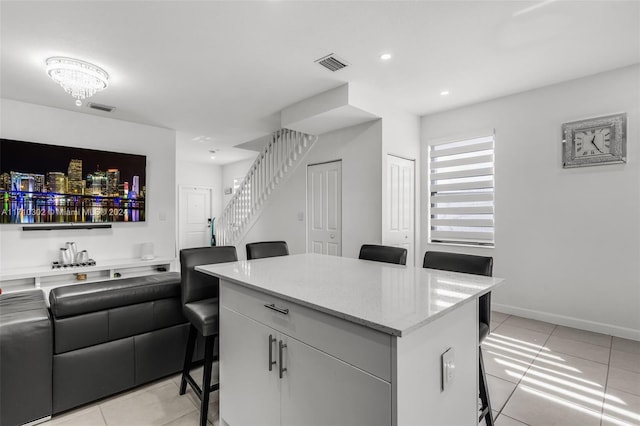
(595, 141)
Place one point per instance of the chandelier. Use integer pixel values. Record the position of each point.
(78, 78)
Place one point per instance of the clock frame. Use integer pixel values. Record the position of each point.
(575, 138)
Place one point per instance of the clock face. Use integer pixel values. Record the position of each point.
(593, 142)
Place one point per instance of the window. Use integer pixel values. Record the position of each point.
(461, 188)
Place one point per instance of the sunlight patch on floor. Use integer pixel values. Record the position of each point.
(563, 391)
(621, 411)
(561, 401)
(521, 342)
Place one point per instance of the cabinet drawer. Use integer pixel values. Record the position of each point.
(363, 347)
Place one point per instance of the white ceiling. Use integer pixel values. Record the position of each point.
(224, 69)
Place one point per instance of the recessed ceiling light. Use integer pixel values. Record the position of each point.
(385, 56)
(213, 157)
(202, 138)
(444, 93)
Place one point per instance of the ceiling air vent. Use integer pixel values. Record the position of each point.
(332, 62)
(105, 108)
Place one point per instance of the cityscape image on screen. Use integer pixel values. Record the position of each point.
(42, 183)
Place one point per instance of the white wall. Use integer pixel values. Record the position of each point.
(231, 171)
(359, 149)
(34, 123)
(567, 240)
(400, 137)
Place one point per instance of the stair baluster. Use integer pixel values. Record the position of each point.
(285, 150)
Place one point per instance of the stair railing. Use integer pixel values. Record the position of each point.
(285, 148)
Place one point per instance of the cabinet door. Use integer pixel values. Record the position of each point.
(318, 389)
(249, 392)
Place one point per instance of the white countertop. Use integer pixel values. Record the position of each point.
(389, 298)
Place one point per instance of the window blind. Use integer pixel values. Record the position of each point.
(461, 186)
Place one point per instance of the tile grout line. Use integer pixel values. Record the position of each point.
(491, 331)
(104, 419)
(184, 415)
(606, 381)
(525, 372)
(582, 342)
(610, 346)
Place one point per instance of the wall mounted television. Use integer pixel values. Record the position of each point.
(50, 184)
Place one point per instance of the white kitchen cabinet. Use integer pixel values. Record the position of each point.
(364, 342)
(316, 388)
(246, 376)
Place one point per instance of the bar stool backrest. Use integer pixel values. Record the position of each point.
(387, 254)
(467, 264)
(196, 285)
(264, 249)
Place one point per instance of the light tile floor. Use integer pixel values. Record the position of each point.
(157, 403)
(539, 374)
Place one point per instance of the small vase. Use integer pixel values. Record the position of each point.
(65, 256)
(73, 249)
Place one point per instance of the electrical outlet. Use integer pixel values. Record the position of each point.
(448, 367)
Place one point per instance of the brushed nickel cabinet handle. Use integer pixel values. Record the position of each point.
(273, 307)
(282, 368)
(272, 340)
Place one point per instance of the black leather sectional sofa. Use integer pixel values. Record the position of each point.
(107, 337)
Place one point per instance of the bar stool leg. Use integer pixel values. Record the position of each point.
(206, 378)
(484, 394)
(188, 357)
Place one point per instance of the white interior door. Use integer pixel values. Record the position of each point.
(194, 214)
(324, 208)
(399, 229)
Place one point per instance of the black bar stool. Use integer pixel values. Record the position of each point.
(477, 265)
(387, 254)
(267, 249)
(200, 307)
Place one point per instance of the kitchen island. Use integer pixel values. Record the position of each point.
(321, 340)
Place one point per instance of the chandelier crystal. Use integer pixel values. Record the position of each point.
(78, 78)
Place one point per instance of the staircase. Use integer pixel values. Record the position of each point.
(283, 153)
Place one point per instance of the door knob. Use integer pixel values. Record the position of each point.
(332, 236)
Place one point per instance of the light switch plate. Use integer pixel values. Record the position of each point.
(447, 368)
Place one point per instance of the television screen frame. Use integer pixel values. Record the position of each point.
(54, 184)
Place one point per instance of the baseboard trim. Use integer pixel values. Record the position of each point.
(38, 421)
(598, 327)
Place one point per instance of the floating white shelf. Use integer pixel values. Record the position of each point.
(46, 277)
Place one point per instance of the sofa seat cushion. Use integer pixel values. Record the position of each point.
(203, 315)
(91, 297)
